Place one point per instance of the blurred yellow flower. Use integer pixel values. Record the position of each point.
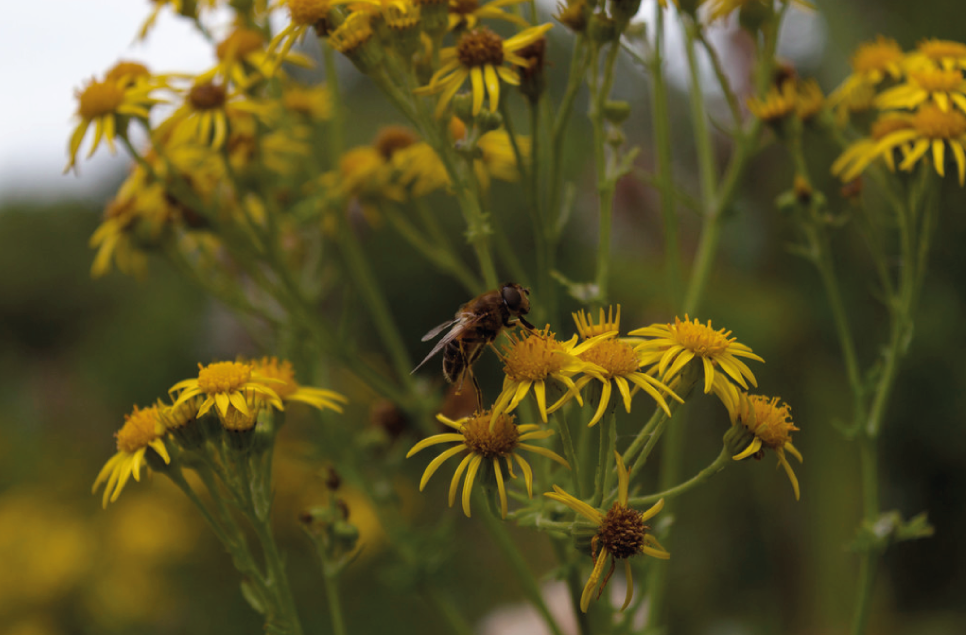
(480, 55)
(928, 130)
(466, 14)
(280, 377)
(939, 86)
(226, 384)
(108, 105)
(142, 431)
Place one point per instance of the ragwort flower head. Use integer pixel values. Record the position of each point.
(279, 376)
(945, 53)
(770, 420)
(532, 359)
(485, 439)
(304, 15)
(480, 56)
(203, 118)
(142, 431)
(466, 14)
(109, 105)
(928, 84)
(229, 386)
(244, 59)
(872, 63)
(674, 346)
(617, 362)
(928, 131)
(622, 532)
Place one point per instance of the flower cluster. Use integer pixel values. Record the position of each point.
(920, 100)
(233, 393)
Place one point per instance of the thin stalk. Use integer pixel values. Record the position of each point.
(437, 254)
(578, 64)
(724, 460)
(574, 583)
(605, 458)
(443, 604)
(569, 453)
(662, 150)
(372, 295)
(605, 181)
(286, 620)
(518, 564)
(337, 122)
(335, 603)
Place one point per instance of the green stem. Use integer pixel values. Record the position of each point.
(444, 259)
(574, 584)
(578, 64)
(699, 119)
(285, 620)
(364, 280)
(606, 183)
(443, 604)
(868, 462)
(337, 123)
(329, 579)
(665, 178)
(569, 453)
(724, 460)
(605, 458)
(521, 571)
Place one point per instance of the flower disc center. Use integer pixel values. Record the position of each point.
(534, 357)
(207, 96)
(100, 98)
(622, 532)
(501, 441)
(140, 429)
(933, 123)
(479, 48)
(224, 377)
(616, 357)
(308, 12)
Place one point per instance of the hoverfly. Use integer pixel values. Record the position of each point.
(476, 325)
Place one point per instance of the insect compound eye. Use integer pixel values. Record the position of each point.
(512, 298)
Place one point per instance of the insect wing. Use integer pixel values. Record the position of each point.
(465, 321)
(439, 329)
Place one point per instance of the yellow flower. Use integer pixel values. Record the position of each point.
(203, 117)
(777, 104)
(243, 59)
(770, 420)
(485, 440)
(529, 361)
(675, 345)
(480, 55)
(351, 34)
(108, 105)
(621, 533)
(718, 9)
(142, 430)
(188, 9)
(926, 84)
(945, 53)
(618, 362)
(313, 102)
(871, 63)
(857, 156)
(466, 14)
(226, 384)
(496, 159)
(304, 14)
(929, 128)
(810, 100)
(279, 376)
(573, 14)
(420, 169)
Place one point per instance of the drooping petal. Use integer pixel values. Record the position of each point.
(437, 462)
